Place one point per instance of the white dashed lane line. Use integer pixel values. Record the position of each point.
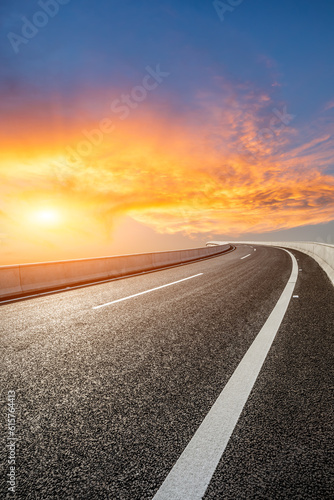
(146, 291)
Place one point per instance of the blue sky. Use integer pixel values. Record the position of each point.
(102, 41)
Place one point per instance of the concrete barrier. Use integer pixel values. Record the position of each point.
(23, 279)
(10, 283)
(322, 253)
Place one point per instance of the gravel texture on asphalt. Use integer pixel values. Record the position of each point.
(108, 399)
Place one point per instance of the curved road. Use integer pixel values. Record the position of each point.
(109, 392)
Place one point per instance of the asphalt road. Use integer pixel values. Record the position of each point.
(107, 399)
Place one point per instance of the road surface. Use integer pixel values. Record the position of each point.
(112, 384)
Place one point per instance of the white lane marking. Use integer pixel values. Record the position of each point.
(147, 291)
(245, 256)
(85, 285)
(74, 287)
(192, 473)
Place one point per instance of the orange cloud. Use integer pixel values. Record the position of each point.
(227, 166)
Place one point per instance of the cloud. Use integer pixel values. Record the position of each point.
(203, 170)
(329, 105)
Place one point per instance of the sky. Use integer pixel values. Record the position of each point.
(133, 126)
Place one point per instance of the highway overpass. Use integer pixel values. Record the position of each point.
(210, 379)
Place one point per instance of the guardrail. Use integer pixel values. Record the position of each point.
(23, 279)
(322, 253)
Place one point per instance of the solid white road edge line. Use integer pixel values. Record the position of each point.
(147, 291)
(245, 256)
(192, 473)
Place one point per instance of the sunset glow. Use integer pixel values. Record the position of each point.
(193, 152)
(46, 217)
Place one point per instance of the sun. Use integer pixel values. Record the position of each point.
(47, 217)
